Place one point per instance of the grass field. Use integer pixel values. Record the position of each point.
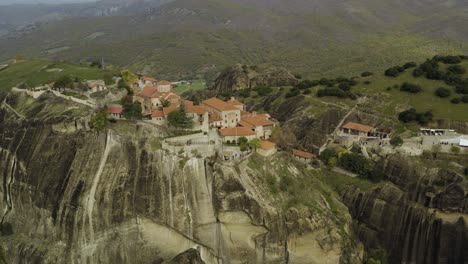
(192, 85)
(37, 72)
(390, 102)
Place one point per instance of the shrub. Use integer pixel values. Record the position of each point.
(356, 163)
(412, 115)
(455, 100)
(293, 92)
(465, 99)
(367, 82)
(456, 69)
(396, 141)
(418, 72)
(465, 171)
(327, 154)
(462, 89)
(448, 59)
(455, 149)
(306, 84)
(263, 90)
(443, 92)
(344, 86)
(394, 71)
(412, 88)
(332, 91)
(6, 229)
(366, 74)
(409, 65)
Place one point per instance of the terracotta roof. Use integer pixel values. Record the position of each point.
(115, 109)
(157, 113)
(196, 109)
(188, 102)
(149, 79)
(245, 124)
(267, 145)
(303, 154)
(236, 131)
(164, 82)
(245, 113)
(234, 102)
(258, 120)
(169, 109)
(214, 117)
(219, 104)
(358, 127)
(148, 91)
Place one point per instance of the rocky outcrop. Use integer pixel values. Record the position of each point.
(76, 196)
(240, 77)
(418, 217)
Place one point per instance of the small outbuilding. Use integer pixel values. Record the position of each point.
(303, 156)
(356, 129)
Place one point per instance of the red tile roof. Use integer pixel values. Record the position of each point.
(214, 117)
(234, 102)
(258, 120)
(164, 82)
(149, 79)
(245, 113)
(219, 105)
(115, 109)
(157, 113)
(188, 103)
(245, 124)
(148, 91)
(236, 131)
(303, 154)
(358, 127)
(196, 109)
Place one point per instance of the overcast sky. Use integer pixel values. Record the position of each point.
(8, 2)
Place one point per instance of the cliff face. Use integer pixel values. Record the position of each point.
(420, 217)
(240, 77)
(73, 196)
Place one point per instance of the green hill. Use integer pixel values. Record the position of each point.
(37, 71)
(183, 39)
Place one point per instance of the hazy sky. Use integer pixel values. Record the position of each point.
(8, 2)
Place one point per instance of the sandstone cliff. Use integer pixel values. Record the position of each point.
(240, 77)
(71, 195)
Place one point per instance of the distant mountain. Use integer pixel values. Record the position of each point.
(183, 38)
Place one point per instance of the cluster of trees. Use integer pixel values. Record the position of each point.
(351, 161)
(431, 69)
(463, 99)
(263, 90)
(411, 88)
(412, 115)
(443, 92)
(397, 70)
(100, 120)
(131, 110)
(245, 144)
(179, 118)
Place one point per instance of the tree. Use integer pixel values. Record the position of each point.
(327, 154)
(165, 103)
(409, 87)
(129, 76)
(455, 100)
(396, 141)
(100, 121)
(465, 171)
(456, 69)
(242, 140)
(179, 118)
(132, 110)
(63, 82)
(366, 74)
(443, 92)
(356, 163)
(332, 162)
(255, 143)
(409, 65)
(263, 90)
